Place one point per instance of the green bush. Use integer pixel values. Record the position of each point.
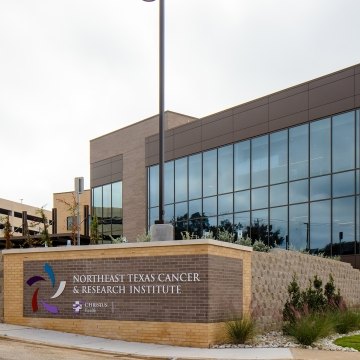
(240, 330)
(346, 321)
(309, 328)
(259, 245)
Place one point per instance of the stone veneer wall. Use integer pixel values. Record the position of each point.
(1, 288)
(272, 272)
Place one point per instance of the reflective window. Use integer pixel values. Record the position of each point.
(358, 221)
(181, 179)
(225, 204)
(242, 201)
(278, 157)
(358, 138)
(117, 213)
(259, 225)
(242, 224)
(169, 182)
(225, 169)
(242, 165)
(259, 161)
(106, 220)
(298, 226)
(180, 228)
(259, 198)
(153, 215)
(343, 226)
(154, 186)
(195, 227)
(343, 184)
(225, 222)
(298, 191)
(195, 208)
(278, 194)
(210, 226)
(195, 176)
(278, 229)
(169, 213)
(181, 211)
(97, 202)
(209, 173)
(320, 229)
(298, 152)
(358, 182)
(320, 188)
(320, 147)
(210, 206)
(343, 142)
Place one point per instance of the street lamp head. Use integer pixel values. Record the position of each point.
(148, 0)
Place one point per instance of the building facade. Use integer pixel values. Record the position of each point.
(284, 168)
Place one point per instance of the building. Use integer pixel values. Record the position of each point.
(66, 212)
(284, 168)
(24, 219)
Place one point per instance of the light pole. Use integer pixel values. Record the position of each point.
(161, 108)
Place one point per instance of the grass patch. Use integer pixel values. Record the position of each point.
(310, 328)
(349, 341)
(240, 331)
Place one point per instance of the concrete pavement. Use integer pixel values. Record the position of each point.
(68, 340)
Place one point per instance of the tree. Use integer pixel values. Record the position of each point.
(7, 231)
(94, 230)
(45, 236)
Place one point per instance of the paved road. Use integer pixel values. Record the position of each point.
(17, 350)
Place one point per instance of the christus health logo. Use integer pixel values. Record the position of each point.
(37, 298)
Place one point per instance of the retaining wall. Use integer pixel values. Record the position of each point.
(1, 288)
(272, 272)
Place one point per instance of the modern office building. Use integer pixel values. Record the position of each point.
(284, 168)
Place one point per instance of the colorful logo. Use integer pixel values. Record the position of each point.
(77, 306)
(35, 279)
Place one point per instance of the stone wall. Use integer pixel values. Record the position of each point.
(272, 272)
(1, 289)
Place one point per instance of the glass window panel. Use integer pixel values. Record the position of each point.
(259, 225)
(242, 201)
(242, 224)
(320, 228)
(209, 173)
(169, 213)
(107, 204)
(343, 226)
(278, 157)
(210, 206)
(298, 191)
(320, 188)
(343, 142)
(169, 182)
(278, 195)
(209, 226)
(180, 228)
(298, 226)
(298, 152)
(259, 198)
(181, 179)
(259, 161)
(225, 204)
(358, 222)
(320, 153)
(196, 227)
(97, 202)
(195, 208)
(358, 182)
(116, 201)
(226, 223)
(195, 176)
(278, 227)
(343, 184)
(242, 165)
(181, 211)
(225, 169)
(154, 215)
(154, 186)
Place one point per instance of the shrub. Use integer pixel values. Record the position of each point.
(244, 241)
(144, 237)
(259, 245)
(240, 330)
(226, 236)
(346, 321)
(309, 328)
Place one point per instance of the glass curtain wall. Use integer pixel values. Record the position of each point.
(297, 188)
(108, 208)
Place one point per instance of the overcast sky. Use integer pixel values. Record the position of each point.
(73, 70)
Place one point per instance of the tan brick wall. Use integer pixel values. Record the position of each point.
(272, 272)
(1, 289)
(176, 333)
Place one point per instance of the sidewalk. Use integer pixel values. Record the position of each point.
(60, 339)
